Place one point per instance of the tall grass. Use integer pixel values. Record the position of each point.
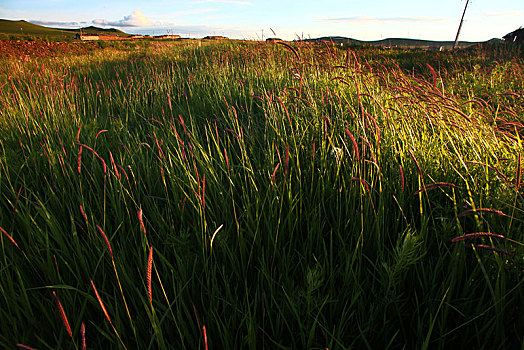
(294, 196)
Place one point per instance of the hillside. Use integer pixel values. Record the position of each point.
(23, 29)
(96, 30)
(392, 42)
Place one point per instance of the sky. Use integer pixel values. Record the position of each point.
(260, 19)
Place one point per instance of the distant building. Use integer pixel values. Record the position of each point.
(435, 48)
(85, 37)
(274, 40)
(516, 36)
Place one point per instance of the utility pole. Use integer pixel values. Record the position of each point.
(460, 25)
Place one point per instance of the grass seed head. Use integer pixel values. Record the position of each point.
(101, 303)
(141, 220)
(149, 268)
(63, 315)
(106, 240)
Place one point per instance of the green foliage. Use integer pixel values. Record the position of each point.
(281, 196)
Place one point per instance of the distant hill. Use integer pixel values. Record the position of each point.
(23, 29)
(96, 30)
(396, 42)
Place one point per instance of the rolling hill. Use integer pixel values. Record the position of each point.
(23, 29)
(395, 42)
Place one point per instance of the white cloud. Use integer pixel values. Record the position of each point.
(184, 13)
(136, 19)
(60, 24)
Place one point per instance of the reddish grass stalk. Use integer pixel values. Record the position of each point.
(285, 109)
(153, 120)
(196, 316)
(8, 236)
(106, 240)
(204, 192)
(290, 48)
(125, 147)
(227, 160)
(355, 146)
(25, 347)
(101, 303)
(160, 152)
(435, 185)
(416, 164)
(183, 205)
(98, 156)
(216, 134)
(141, 219)
(493, 249)
(375, 124)
(362, 181)
(434, 75)
(477, 234)
(457, 111)
(83, 336)
(16, 201)
(205, 336)
(149, 268)
(115, 169)
(83, 215)
(98, 133)
(274, 173)
(233, 132)
(56, 265)
(63, 315)
(481, 210)
(182, 122)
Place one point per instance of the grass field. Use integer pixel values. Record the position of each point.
(245, 195)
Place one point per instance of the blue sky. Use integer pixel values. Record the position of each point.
(252, 19)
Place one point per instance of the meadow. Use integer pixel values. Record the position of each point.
(248, 195)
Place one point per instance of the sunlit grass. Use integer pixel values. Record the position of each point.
(252, 195)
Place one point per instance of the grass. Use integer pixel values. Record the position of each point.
(244, 195)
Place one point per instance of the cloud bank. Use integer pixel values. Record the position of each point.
(60, 24)
(136, 19)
